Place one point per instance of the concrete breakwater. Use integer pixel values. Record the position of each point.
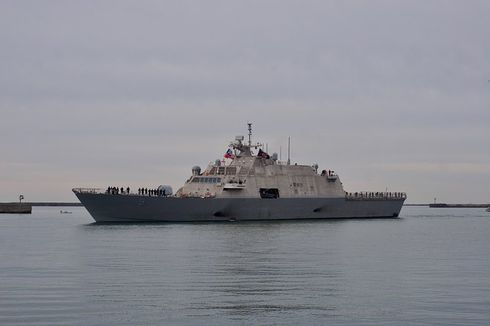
(16, 208)
(34, 203)
(444, 205)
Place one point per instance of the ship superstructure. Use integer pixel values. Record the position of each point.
(260, 176)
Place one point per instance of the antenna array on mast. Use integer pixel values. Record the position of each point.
(249, 134)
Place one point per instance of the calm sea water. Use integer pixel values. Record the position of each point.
(429, 267)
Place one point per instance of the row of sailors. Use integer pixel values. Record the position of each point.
(375, 194)
(116, 190)
(152, 192)
(141, 191)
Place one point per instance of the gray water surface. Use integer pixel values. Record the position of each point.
(431, 266)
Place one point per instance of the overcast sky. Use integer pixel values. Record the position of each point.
(389, 94)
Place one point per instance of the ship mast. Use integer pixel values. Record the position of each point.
(244, 148)
(249, 134)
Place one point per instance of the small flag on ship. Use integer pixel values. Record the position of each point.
(229, 154)
(263, 154)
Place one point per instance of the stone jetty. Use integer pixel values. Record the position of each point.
(16, 208)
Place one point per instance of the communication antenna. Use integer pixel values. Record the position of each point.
(289, 150)
(249, 134)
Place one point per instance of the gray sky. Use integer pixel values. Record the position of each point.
(387, 93)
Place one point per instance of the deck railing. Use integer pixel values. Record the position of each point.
(88, 190)
(120, 191)
(371, 195)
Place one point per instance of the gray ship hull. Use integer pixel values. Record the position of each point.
(134, 208)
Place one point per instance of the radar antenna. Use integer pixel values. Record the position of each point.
(249, 134)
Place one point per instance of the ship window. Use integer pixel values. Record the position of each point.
(231, 170)
(269, 193)
(206, 180)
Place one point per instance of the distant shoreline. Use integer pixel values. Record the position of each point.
(444, 205)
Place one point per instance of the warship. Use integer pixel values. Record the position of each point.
(247, 184)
